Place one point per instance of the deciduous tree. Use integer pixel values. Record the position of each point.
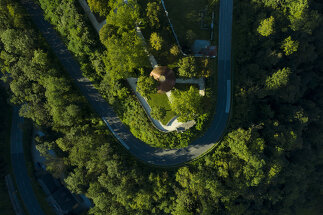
(186, 104)
(156, 41)
(289, 46)
(266, 26)
(187, 67)
(146, 85)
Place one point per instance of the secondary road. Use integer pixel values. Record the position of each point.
(19, 166)
(144, 152)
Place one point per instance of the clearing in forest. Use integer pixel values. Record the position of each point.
(191, 20)
(161, 100)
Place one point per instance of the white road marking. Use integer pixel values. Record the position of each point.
(115, 134)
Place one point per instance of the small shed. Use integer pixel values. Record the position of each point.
(166, 78)
(203, 48)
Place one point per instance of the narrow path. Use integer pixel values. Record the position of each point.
(144, 152)
(98, 26)
(91, 16)
(152, 59)
(199, 81)
(19, 166)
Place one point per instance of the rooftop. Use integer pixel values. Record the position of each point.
(166, 78)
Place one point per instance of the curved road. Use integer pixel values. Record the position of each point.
(144, 152)
(19, 166)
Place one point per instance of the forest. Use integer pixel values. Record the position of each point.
(270, 161)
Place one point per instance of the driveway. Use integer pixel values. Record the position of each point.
(144, 152)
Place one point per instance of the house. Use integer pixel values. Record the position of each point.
(166, 78)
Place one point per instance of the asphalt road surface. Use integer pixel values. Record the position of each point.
(144, 152)
(19, 167)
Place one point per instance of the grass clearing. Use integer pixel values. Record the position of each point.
(161, 100)
(191, 20)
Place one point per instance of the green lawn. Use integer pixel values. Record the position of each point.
(184, 15)
(161, 100)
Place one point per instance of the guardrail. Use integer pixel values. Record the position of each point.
(13, 196)
(171, 25)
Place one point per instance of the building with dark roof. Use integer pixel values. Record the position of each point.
(60, 198)
(166, 78)
(64, 201)
(203, 48)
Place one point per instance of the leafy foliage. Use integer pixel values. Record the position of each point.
(158, 112)
(146, 85)
(153, 8)
(289, 46)
(278, 79)
(187, 104)
(156, 41)
(187, 67)
(273, 143)
(266, 26)
(99, 6)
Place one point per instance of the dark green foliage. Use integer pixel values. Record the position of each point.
(5, 122)
(153, 9)
(146, 85)
(270, 162)
(188, 105)
(266, 26)
(158, 112)
(187, 67)
(78, 37)
(99, 6)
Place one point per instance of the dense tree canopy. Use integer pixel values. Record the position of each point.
(186, 104)
(289, 46)
(156, 41)
(187, 67)
(146, 85)
(153, 8)
(269, 162)
(266, 26)
(99, 6)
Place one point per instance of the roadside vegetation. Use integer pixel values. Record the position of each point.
(270, 162)
(191, 19)
(5, 125)
(121, 56)
(27, 147)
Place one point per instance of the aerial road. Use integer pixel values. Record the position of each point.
(144, 152)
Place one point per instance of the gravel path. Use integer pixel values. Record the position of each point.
(91, 16)
(199, 81)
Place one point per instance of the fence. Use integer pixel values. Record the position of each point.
(171, 25)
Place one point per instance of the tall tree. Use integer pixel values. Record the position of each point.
(289, 46)
(146, 85)
(187, 104)
(266, 26)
